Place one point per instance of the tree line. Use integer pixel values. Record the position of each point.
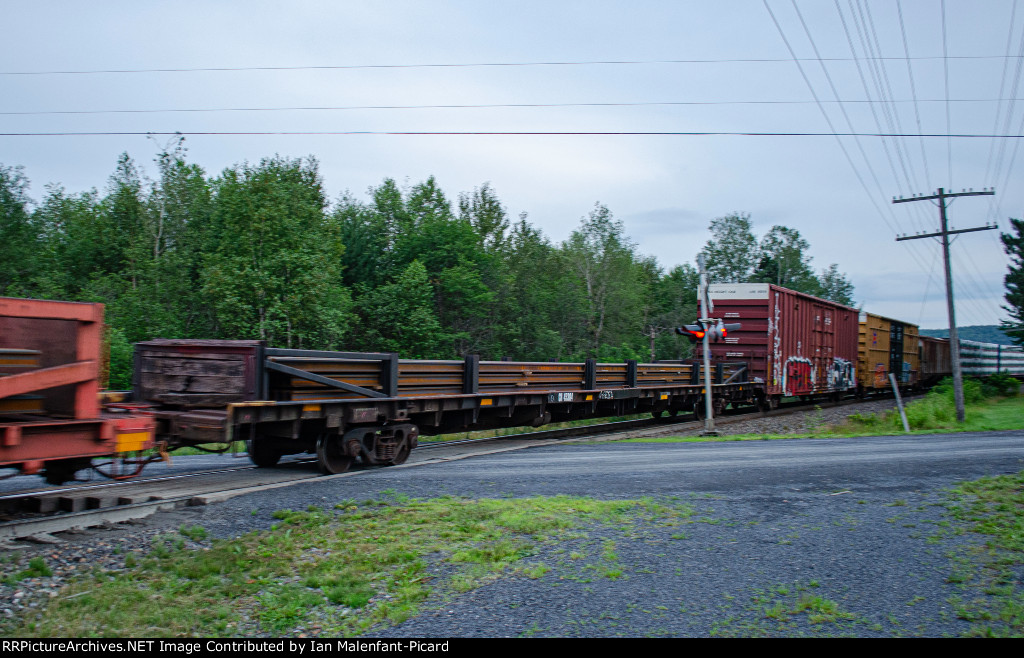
(259, 252)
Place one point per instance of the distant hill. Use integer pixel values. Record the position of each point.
(983, 333)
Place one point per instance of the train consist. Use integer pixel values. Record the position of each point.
(344, 406)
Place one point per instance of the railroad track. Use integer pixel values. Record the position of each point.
(37, 515)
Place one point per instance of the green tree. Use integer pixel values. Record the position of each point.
(18, 234)
(834, 286)
(1013, 245)
(784, 260)
(399, 317)
(534, 306)
(272, 270)
(732, 253)
(676, 295)
(604, 262)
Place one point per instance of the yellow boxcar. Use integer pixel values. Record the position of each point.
(886, 345)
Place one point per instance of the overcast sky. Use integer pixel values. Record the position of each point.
(665, 188)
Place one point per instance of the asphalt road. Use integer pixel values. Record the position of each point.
(849, 521)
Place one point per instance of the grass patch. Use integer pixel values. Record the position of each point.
(789, 611)
(986, 409)
(335, 572)
(989, 573)
(37, 568)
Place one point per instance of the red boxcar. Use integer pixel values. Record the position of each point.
(796, 344)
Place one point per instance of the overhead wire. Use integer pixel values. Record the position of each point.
(868, 54)
(343, 67)
(886, 93)
(913, 86)
(682, 133)
(326, 108)
(945, 70)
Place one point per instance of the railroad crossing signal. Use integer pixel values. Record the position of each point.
(716, 331)
(720, 330)
(695, 332)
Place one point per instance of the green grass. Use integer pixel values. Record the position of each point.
(987, 572)
(37, 568)
(930, 415)
(334, 572)
(789, 611)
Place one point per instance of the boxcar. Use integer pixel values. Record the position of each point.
(796, 344)
(935, 360)
(887, 346)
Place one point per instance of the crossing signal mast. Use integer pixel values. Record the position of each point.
(705, 330)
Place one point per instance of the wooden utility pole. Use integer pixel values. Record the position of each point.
(944, 233)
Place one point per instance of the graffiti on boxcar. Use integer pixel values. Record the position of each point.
(880, 375)
(841, 375)
(799, 378)
(773, 331)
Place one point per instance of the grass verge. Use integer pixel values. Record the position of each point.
(335, 572)
(930, 415)
(989, 573)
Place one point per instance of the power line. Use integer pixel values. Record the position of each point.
(450, 106)
(681, 133)
(345, 67)
(913, 86)
(945, 70)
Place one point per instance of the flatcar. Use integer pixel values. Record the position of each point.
(51, 420)
(374, 406)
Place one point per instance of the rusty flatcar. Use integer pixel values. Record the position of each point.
(373, 406)
(51, 420)
(794, 344)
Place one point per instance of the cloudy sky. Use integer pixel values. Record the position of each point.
(565, 66)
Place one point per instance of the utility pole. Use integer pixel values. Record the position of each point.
(944, 233)
(706, 308)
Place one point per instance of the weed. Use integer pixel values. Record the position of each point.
(195, 533)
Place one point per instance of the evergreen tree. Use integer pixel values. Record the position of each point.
(1013, 245)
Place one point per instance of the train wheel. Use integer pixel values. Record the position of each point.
(407, 437)
(331, 456)
(401, 455)
(262, 453)
(699, 410)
